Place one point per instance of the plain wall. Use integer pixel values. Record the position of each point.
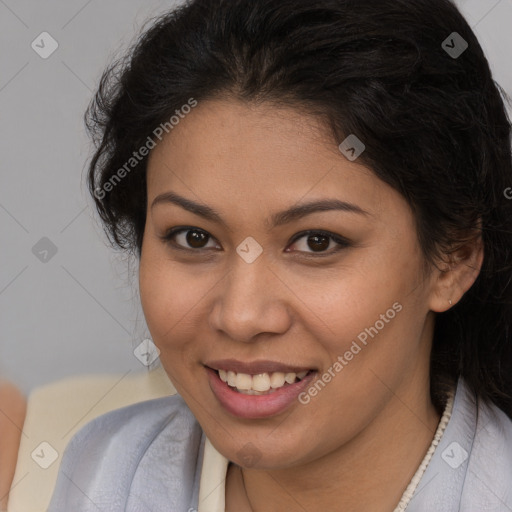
(78, 311)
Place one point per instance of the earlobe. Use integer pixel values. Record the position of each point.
(456, 274)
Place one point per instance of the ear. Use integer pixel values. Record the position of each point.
(456, 273)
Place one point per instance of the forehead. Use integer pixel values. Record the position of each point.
(257, 156)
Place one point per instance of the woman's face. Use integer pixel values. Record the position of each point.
(247, 290)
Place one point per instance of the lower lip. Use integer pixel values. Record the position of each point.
(256, 406)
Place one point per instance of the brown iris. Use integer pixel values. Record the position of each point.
(197, 239)
(320, 242)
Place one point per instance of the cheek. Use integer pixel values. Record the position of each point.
(343, 302)
(164, 302)
(162, 292)
(370, 315)
(173, 298)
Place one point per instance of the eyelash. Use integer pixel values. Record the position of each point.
(343, 243)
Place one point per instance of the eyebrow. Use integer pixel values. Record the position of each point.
(277, 219)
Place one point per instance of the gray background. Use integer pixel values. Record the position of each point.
(78, 312)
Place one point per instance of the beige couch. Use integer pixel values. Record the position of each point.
(58, 410)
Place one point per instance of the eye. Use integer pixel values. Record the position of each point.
(187, 238)
(319, 241)
(194, 239)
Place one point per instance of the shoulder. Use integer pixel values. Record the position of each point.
(107, 456)
(471, 468)
(492, 447)
(57, 410)
(493, 438)
(138, 422)
(489, 472)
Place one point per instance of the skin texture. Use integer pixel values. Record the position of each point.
(356, 445)
(13, 407)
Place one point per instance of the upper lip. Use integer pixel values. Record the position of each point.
(255, 367)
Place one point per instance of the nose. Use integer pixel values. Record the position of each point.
(249, 301)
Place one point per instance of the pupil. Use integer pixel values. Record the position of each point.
(321, 242)
(196, 238)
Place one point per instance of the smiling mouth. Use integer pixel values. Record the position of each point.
(261, 383)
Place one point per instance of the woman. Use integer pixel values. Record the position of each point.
(13, 407)
(315, 191)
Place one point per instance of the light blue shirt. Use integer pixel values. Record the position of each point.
(147, 457)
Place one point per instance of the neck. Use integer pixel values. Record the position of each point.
(371, 472)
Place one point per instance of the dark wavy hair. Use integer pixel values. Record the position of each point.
(434, 125)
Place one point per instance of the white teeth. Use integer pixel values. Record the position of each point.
(231, 379)
(260, 384)
(277, 380)
(243, 381)
(290, 377)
